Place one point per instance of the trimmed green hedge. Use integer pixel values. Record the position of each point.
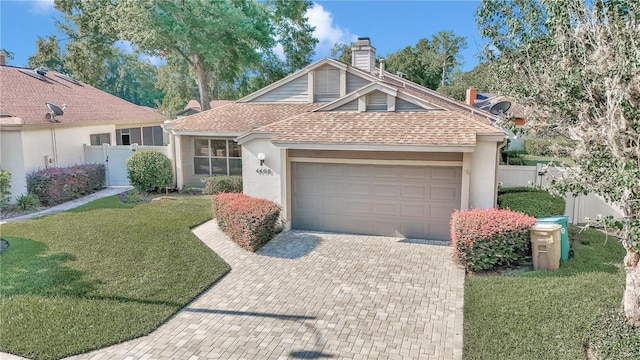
(533, 202)
(149, 170)
(222, 184)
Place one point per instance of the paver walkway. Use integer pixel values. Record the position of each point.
(316, 295)
(112, 190)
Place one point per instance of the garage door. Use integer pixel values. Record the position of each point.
(408, 201)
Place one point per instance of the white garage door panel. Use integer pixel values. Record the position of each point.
(411, 201)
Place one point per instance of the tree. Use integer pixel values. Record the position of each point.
(447, 47)
(341, 52)
(575, 65)
(218, 39)
(48, 54)
(479, 78)
(430, 63)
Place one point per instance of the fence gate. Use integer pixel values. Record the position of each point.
(114, 158)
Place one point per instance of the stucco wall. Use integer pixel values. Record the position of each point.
(11, 160)
(482, 172)
(28, 150)
(267, 182)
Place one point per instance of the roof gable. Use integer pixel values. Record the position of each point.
(360, 95)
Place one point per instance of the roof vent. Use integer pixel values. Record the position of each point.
(34, 74)
(401, 74)
(42, 70)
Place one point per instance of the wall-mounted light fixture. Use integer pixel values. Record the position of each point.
(261, 157)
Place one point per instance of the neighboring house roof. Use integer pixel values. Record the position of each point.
(484, 101)
(240, 117)
(430, 128)
(23, 98)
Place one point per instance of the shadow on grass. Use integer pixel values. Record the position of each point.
(27, 270)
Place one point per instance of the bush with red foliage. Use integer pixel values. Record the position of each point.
(248, 221)
(56, 185)
(483, 239)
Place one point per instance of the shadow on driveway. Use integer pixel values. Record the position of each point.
(290, 245)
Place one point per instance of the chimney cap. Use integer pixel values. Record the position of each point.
(364, 38)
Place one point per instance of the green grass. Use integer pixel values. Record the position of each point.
(544, 314)
(111, 202)
(103, 274)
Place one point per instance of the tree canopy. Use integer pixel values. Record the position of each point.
(575, 66)
(219, 40)
(430, 63)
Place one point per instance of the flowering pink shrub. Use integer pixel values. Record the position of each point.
(486, 238)
(248, 221)
(56, 185)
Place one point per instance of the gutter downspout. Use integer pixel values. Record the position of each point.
(495, 191)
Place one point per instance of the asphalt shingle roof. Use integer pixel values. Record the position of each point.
(431, 128)
(23, 98)
(240, 117)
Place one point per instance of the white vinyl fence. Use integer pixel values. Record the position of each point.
(578, 208)
(114, 158)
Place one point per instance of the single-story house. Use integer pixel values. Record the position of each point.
(33, 136)
(348, 148)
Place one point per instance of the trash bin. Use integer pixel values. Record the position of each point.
(545, 246)
(564, 233)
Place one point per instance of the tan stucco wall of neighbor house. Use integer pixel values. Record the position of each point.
(482, 175)
(265, 181)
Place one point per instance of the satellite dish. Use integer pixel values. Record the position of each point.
(54, 111)
(500, 107)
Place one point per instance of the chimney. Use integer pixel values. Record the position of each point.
(363, 55)
(472, 94)
(382, 68)
(3, 58)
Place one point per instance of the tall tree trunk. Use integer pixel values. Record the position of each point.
(444, 68)
(202, 76)
(631, 298)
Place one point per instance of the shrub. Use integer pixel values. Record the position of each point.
(5, 185)
(134, 196)
(519, 189)
(149, 170)
(536, 203)
(483, 239)
(611, 337)
(222, 184)
(27, 202)
(548, 147)
(248, 221)
(56, 185)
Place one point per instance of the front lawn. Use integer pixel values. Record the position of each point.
(106, 273)
(544, 314)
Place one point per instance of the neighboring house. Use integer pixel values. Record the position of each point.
(348, 148)
(31, 139)
(193, 107)
(486, 101)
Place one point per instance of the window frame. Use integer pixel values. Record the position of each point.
(211, 156)
(97, 137)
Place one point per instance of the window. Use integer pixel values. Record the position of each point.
(148, 135)
(99, 139)
(217, 157)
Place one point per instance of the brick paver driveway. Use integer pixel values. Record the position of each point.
(316, 295)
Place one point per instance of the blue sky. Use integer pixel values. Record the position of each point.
(391, 25)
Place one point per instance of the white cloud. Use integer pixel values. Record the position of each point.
(41, 6)
(326, 31)
(128, 48)
(279, 51)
